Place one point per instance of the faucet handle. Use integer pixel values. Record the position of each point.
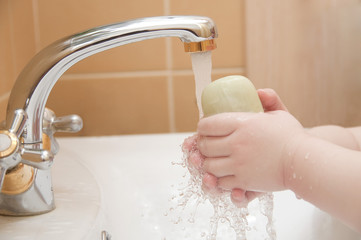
(70, 123)
(38, 158)
(52, 124)
(17, 126)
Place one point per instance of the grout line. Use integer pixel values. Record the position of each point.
(151, 73)
(80, 76)
(169, 74)
(170, 91)
(166, 6)
(12, 45)
(35, 5)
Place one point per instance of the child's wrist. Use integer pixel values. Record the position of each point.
(290, 157)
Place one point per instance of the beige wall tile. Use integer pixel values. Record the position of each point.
(60, 18)
(6, 57)
(16, 41)
(186, 111)
(23, 33)
(229, 19)
(15, 36)
(114, 106)
(306, 51)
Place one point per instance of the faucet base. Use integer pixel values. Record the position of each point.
(38, 199)
(18, 180)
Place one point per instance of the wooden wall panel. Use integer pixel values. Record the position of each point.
(310, 53)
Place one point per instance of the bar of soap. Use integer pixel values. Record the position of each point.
(230, 94)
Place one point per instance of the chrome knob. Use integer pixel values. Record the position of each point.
(38, 158)
(70, 123)
(51, 123)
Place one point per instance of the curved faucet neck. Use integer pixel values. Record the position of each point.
(34, 84)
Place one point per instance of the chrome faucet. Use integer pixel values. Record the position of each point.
(27, 145)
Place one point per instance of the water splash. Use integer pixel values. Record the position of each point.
(242, 223)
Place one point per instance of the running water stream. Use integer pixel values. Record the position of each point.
(191, 195)
(202, 70)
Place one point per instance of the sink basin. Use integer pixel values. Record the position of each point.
(123, 184)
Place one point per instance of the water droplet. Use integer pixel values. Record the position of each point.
(294, 175)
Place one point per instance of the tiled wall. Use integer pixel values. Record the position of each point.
(306, 50)
(144, 87)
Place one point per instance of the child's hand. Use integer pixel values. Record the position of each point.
(249, 151)
(271, 102)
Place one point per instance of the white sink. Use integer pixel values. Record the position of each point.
(123, 184)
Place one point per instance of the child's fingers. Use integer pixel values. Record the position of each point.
(270, 100)
(252, 195)
(210, 183)
(189, 143)
(219, 167)
(196, 159)
(214, 146)
(222, 124)
(238, 197)
(241, 198)
(228, 182)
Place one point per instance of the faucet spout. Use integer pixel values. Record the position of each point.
(34, 145)
(35, 82)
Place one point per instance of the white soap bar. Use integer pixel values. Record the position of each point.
(230, 94)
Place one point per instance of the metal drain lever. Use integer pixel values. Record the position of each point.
(105, 236)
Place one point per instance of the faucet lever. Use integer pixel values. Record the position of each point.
(71, 123)
(18, 124)
(51, 124)
(38, 158)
